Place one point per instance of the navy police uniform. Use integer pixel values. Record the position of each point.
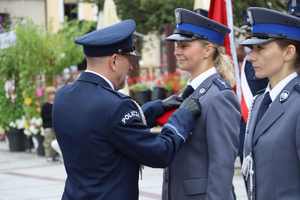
(103, 134)
(203, 168)
(256, 85)
(271, 151)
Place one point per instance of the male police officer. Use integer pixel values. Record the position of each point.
(102, 133)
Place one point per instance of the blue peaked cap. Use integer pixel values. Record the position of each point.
(191, 25)
(268, 24)
(117, 38)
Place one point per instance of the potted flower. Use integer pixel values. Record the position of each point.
(140, 92)
(168, 84)
(159, 91)
(16, 136)
(34, 129)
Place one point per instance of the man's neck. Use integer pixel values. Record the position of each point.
(106, 76)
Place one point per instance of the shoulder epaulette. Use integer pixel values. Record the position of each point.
(221, 84)
(297, 87)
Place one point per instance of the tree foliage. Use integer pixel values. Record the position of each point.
(36, 52)
(240, 7)
(152, 15)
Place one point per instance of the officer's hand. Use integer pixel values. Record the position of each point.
(183, 120)
(192, 105)
(172, 102)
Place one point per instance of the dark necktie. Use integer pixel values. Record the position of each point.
(187, 92)
(264, 106)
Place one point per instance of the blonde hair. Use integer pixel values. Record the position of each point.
(223, 64)
(50, 90)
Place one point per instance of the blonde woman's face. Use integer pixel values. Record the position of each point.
(267, 60)
(189, 55)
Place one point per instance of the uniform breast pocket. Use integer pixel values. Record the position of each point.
(195, 186)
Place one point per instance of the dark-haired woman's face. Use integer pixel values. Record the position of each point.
(267, 59)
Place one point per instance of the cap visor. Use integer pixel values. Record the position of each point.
(178, 37)
(254, 41)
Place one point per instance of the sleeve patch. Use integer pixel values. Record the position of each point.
(131, 116)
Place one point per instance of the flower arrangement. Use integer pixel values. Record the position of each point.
(18, 123)
(172, 82)
(35, 58)
(31, 126)
(34, 126)
(138, 87)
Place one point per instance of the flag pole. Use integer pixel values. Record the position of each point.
(233, 48)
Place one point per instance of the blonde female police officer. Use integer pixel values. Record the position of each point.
(203, 168)
(272, 145)
(102, 133)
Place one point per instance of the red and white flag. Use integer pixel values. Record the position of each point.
(246, 94)
(221, 11)
(218, 12)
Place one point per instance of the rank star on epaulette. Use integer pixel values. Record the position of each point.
(130, 115)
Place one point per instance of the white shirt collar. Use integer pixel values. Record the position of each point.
(279, 86)
(201, 77)
(106, 79)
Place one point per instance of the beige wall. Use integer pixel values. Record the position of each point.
(34, 9)
(87, 11)
(204, 4)
(55, 14)
(41, 10)
(151, 51)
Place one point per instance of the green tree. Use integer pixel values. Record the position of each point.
(35, 52)
(151, 15)
(240, 7)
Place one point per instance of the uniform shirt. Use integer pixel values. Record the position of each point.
(279, 86)
(201, 77)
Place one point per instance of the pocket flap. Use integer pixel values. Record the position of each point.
(195, 186)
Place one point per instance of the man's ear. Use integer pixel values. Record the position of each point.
(112, 62)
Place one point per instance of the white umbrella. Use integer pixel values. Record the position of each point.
(204, 4)
(109, 15)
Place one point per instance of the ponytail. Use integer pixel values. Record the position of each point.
(224, 65)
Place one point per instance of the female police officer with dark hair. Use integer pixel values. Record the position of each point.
(272, 145)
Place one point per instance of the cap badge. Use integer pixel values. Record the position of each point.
(177, 17)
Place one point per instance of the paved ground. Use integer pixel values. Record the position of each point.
(26, 176)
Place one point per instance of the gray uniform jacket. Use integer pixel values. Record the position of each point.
(275, 145)
(203, 168)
